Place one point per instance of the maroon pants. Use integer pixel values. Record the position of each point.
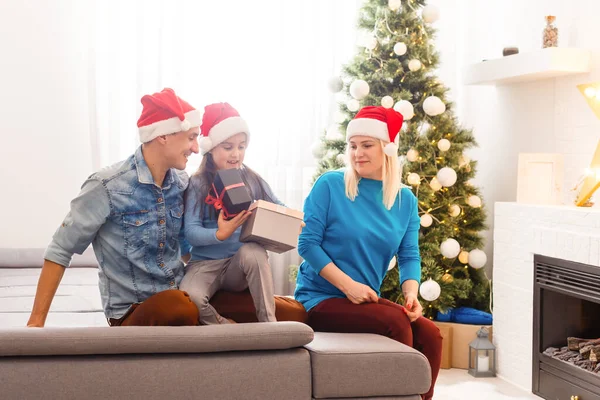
(383, 318)
(167, 308)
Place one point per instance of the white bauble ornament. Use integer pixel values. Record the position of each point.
(450, 248)
(435, 184)
(400, 49)
(392, 264)
(359, 89)
(412, 155)
(446, 176)
(430, 14)
(426, 220)
(335, 84)
(339, 117)
(318, 150)
(353, 105)
(474, 201)
(430, 290)
(341, 158)
(413, 179)
(414, 65)
(444, 145)
(463, 257)
(405, 108)
(433, 106)
(455, 210)
(331, 154)
(394, 5)
(387, 101)
(333, 133)
(371, 43)
(477, 258)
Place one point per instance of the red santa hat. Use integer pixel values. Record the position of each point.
(379, 123)
(219, 123)
(165, 113)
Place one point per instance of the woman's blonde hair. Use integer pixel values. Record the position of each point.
(390, 177)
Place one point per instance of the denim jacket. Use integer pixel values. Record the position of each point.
(135, 228)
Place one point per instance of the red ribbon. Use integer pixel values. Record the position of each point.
(217, 202)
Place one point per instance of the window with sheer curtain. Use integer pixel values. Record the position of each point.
(270, 59)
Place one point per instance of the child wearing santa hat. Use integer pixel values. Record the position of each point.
(219, 259)
(357, 220)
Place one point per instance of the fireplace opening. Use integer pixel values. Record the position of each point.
(566, 329)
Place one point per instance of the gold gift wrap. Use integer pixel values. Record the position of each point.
(273, 226)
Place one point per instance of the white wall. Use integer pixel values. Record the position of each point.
(44, 141)
(537, 117)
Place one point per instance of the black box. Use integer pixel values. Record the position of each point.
(236, 198)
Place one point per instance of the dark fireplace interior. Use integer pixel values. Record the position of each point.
(566, 305)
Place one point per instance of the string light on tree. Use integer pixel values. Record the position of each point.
(359, 89)
(430, 14)
(455, 210)
(474, 201)
(433, 106)
(446, 176)
(435, 184)
(463, 257)
(413, 179)
(477, 258)
(450, 248)
(412, 155)
(400, 49)
(444, 145)
(335, 84)
(426, 220)
(405, 108)
(430, 290)
(387, 102)
(352, 105)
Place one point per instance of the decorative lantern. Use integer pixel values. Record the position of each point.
(482, 355)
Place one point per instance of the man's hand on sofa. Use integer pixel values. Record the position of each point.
(50, 278)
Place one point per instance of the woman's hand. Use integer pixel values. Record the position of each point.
(226, 228)
(358, 293)
(414, 310)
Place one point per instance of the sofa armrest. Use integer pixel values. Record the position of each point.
(155, 339)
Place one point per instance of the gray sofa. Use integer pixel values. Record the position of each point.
(283, 360)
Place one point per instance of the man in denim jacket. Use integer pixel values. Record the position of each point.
(132, 213)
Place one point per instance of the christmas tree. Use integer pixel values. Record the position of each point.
(395, 67)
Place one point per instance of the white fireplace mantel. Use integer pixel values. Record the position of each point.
(520, 231)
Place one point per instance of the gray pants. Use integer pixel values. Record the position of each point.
(248, 268)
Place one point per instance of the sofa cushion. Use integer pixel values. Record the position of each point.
(154, 339)
(34, 258)
(365, 365)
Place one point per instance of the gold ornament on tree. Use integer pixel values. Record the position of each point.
(447, 278)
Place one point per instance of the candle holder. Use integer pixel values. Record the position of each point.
(482, 355)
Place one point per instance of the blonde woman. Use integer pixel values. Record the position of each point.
(356, 221)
